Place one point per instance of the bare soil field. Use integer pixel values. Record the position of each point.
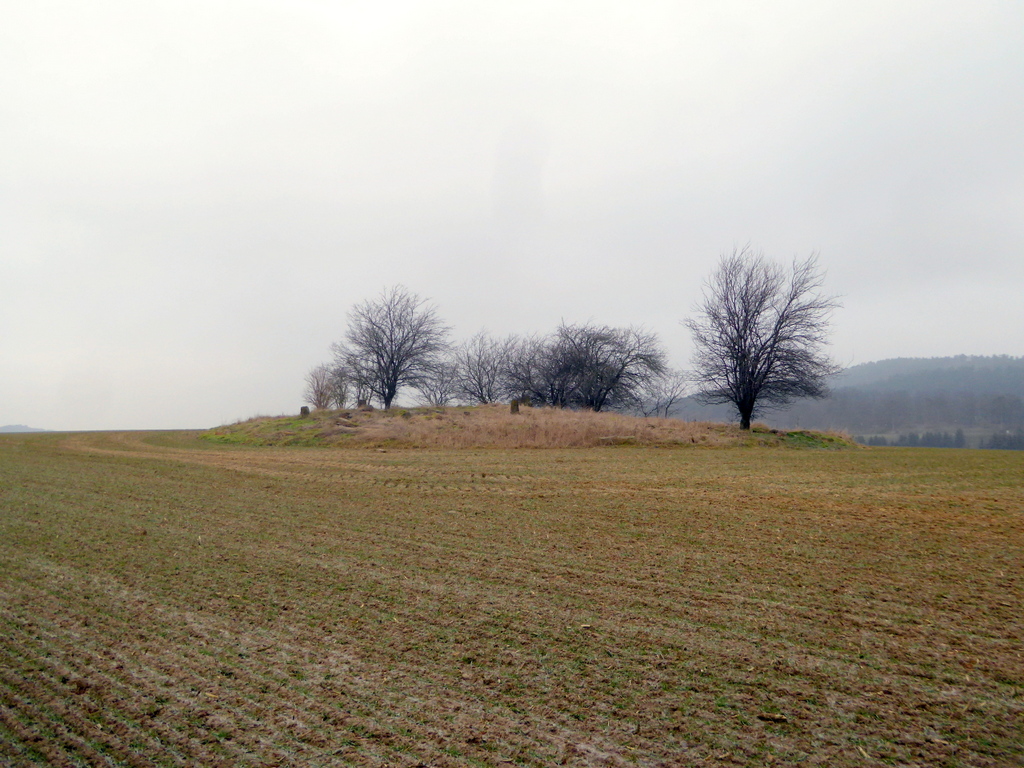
(166, 601)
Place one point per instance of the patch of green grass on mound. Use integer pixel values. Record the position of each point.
(800, 438)
(311, 431)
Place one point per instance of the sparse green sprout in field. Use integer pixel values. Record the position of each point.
(620, 605)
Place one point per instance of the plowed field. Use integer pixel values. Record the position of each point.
(169, 602)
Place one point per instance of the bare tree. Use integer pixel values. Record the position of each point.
(760, 334)
(660, 395)
(482, 364)
(608, 366)
(341, 385)
(440, 384)
(584, 366)
(319, 386)
(536, 371)
(391, 342)
(348, 380)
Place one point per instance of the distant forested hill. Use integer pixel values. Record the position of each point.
(999, 375)
(897, 399)
(19, 428)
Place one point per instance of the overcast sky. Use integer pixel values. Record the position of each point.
(193, 194)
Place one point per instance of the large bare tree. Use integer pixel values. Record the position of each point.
(391, 342)
(760, 334)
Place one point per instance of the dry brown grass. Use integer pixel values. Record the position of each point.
(494, 426)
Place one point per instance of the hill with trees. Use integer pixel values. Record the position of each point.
(995, 375)
(498, 426)
(759, 338)
(915, 401)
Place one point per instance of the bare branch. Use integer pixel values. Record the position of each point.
(663, 393)
(440, 383)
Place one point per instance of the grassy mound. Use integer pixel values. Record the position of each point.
(492, 426)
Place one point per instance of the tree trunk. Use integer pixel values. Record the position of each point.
(745, 417)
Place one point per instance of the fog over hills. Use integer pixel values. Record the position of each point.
(895, 400)
(996, 375)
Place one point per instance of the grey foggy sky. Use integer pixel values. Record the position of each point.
(192, 195)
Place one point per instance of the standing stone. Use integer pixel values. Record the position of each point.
(304, 411)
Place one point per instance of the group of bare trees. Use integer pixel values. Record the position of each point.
(759, 336)
(585, 366)
(398, 341)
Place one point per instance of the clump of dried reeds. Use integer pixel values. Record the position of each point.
(496, 427)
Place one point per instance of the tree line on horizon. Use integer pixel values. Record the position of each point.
(1000, 440)
(979, 374)
(759, 335)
